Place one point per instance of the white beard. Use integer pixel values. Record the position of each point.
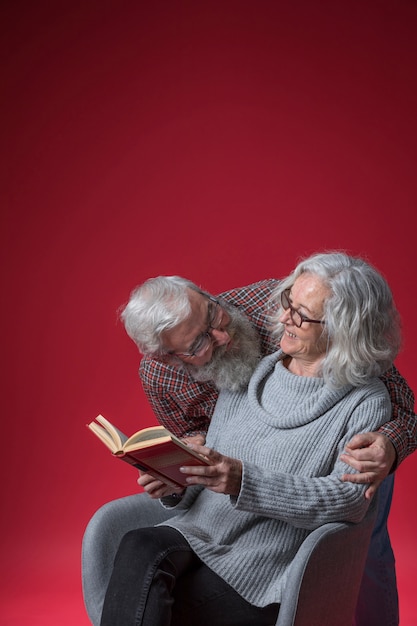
(231, 368)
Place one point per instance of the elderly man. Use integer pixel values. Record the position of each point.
(194, 344)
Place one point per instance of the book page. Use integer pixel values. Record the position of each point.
(104, 436)
(117, 436)
(147, 436)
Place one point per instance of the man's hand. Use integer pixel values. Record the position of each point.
(373, 455)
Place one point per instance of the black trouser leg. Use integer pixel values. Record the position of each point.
(158, 580)
(146, 566)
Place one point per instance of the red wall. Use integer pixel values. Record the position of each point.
(217, 140)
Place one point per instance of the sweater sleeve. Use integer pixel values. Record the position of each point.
(309, 501)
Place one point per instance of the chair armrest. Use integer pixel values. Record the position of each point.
(325, 576)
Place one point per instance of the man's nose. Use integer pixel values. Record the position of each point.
(220, 337)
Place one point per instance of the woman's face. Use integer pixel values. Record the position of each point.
(306, 342)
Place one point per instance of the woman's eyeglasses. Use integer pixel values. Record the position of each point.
(296, 317)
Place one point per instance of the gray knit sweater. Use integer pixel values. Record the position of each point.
(289, 432)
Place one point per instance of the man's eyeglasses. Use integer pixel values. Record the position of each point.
(204, 340)
(296, 317)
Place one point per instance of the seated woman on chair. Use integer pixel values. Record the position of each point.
(274, 452)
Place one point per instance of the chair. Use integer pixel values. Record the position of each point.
(325, 576)
(323, 580)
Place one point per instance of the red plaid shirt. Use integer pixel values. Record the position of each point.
(185, 406)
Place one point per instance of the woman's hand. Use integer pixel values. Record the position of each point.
(199, 439)
(155, 488)
(223, 475)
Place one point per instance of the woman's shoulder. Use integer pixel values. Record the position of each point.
(373, 388)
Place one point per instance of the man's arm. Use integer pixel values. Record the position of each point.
(402, 429)
(181, 404)
(377, 454)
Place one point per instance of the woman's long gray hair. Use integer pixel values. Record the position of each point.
(362, 323)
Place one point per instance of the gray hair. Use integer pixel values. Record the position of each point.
(362, 323)
(156, 306)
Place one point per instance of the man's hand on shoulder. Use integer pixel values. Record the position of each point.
(373, 455)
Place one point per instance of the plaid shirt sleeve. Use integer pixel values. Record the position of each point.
(402, 429)
(183, 405)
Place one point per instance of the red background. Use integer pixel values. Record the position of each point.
(216, 140)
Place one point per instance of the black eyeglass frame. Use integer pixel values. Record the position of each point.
(286, 305)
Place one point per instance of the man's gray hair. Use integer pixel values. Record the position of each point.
(362, 324)
(156, 306)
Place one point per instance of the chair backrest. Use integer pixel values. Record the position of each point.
(325, 576)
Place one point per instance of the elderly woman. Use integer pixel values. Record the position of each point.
(274, 452)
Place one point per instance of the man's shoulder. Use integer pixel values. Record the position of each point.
(251, 295)
(253, 300)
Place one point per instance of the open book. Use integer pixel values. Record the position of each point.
(153, 450)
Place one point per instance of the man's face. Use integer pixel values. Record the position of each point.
(195, 340)
(216, 343)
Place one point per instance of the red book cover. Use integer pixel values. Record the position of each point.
(163, 459)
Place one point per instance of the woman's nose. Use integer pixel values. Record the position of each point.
(285, 316)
